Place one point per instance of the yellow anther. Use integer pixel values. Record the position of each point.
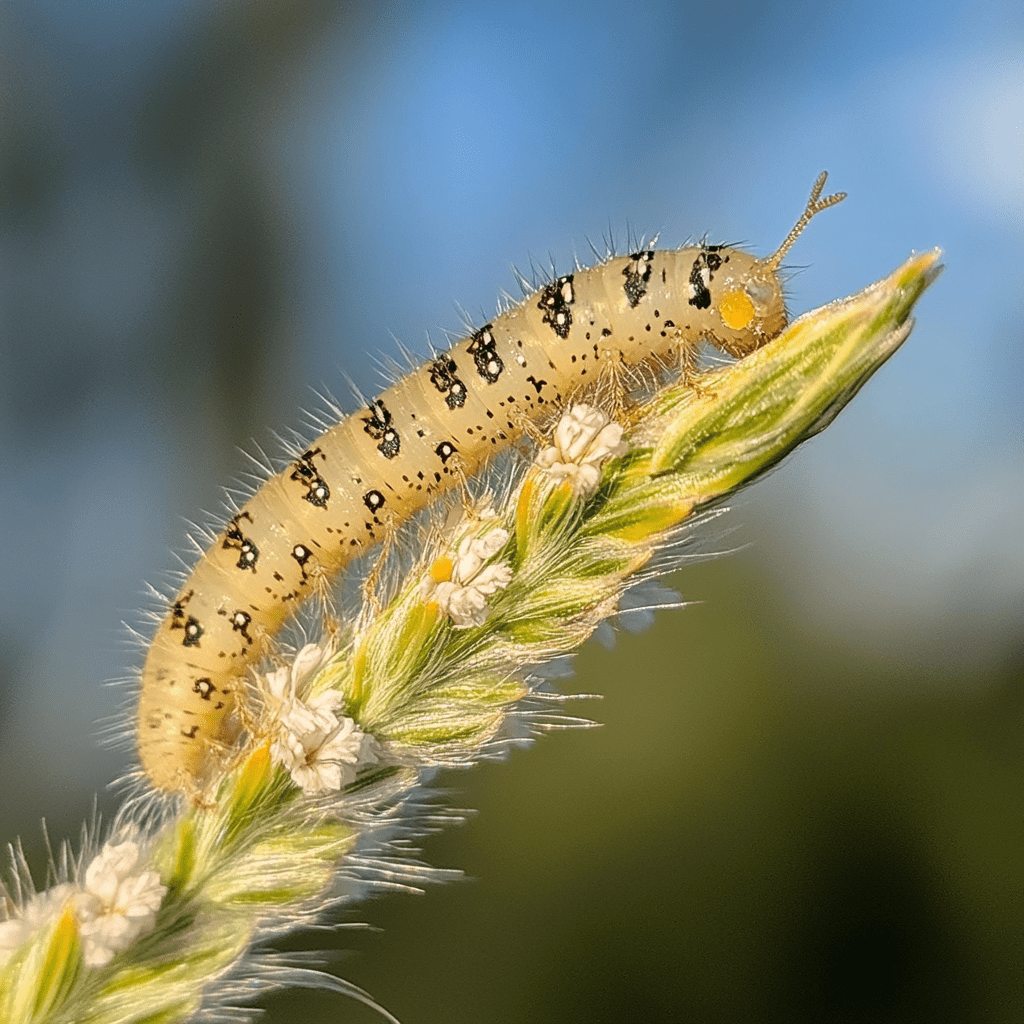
(441, 570)
(736, 309)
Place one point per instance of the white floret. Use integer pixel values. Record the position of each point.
(39, 911)
(460, 587)
(321, 748)
(117, 904)
(584, 438)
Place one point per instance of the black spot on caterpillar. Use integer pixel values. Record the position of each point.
(375, 469)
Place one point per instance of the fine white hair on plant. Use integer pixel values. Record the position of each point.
(323, 790)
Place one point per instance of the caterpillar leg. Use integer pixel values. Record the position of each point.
(613, 387)
(369, 585)
(689, 373)
(529, 428)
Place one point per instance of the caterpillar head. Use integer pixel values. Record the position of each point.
(749, 298)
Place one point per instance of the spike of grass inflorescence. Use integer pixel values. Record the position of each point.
(167, 918)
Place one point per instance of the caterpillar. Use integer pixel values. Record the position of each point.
(422, 436)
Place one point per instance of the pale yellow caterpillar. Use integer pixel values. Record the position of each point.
(420, 437)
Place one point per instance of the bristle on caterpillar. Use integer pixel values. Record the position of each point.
(422, 436)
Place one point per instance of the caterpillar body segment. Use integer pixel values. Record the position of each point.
(422, 436)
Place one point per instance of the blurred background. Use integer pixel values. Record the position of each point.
(806, 800)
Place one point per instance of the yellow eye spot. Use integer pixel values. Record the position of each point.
(441, 570)
(736, 309)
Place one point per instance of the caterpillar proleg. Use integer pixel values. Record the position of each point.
(422, 436)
